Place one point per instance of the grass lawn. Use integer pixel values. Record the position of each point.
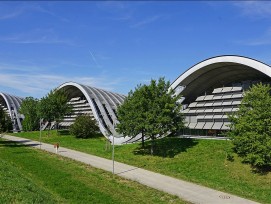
(200, 161)
(29, 175)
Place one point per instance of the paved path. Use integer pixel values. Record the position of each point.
(185, 190)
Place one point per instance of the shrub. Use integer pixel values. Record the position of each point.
(84, 127)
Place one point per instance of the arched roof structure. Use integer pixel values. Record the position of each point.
(12, 105)
(218, 72)
(102, 103)
(200, 79)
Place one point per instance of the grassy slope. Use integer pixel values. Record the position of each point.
(199, 161)
(18, 188)
(31, 176)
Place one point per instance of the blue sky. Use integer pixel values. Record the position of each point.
(116, 45)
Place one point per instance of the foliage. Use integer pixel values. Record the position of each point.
(33, 176)
(29, 108)
(151, 110)
(5, 121)
(84, 127)
(251, 127)
(131, 114)
(54, 106)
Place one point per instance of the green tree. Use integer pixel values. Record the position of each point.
(29, 108)
(5, 121)
(131, 114)
(84, 127)
(251, 126)
(54, 106)
(151, 110)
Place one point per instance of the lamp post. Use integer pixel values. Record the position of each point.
(40, 134)
(113, 151)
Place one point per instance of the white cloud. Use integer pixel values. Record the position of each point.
(38, 85)
(37, 36)
(145, 21)
(264, 39)
(39, 8)
(20, 68)
(260, 9)
(257, 11)
(9, 15)
(94, 59)
(40, 40)
(9, 10)
(112, 6)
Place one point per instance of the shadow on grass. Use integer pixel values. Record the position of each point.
(63, 132)
(10, 144)
(17, 144)
(97, 135)
(261, 170)
(167, 147)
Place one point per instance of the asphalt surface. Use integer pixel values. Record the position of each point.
(185, 190)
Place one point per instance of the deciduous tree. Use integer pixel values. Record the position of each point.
(251, 126)
(5, 121)
(54, 106)
(29, 108)
(151, 110)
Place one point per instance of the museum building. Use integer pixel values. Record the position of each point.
(210, 90)
(214, 88)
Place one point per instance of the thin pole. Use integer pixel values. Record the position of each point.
(40, 133)
(113, 152)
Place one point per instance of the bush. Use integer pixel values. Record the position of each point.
(84, 127)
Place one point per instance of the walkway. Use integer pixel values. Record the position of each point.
(185, 190)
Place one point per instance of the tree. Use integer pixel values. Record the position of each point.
(151, 110)
(131, 114)
(54, 106)
(84, 127)
(251, 126)
(29, 108)
(5, 121)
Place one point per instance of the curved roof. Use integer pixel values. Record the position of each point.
(12, 104)
(103, 104)
(220, 71)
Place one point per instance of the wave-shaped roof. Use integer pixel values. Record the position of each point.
(206, 75)
(103, 104)
(12, 105)
(219, 71)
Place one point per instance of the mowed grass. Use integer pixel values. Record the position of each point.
(28, 175)
(200, 161)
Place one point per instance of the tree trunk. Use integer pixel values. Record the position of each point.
(142, 140)
(152, 145)
(49, 125)
(56, 125)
